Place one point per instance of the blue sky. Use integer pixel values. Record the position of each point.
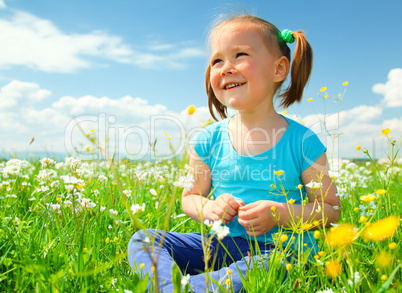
(137, 59)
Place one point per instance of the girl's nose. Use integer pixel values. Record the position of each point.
(227, 69)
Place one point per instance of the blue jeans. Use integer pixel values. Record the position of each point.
(185, 250)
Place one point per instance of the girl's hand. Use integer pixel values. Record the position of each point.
(225, 207)
(257, 217)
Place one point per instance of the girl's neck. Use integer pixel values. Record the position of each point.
(260, 118)
(253, 133)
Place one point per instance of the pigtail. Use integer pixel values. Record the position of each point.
(300, 71)
(213, 102)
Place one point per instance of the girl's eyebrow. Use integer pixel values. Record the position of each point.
(233, 49)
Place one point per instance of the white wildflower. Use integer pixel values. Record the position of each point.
(220, 231)
(185, 279)
(114, 212)
(137, 207)
(69, 179)
(55, 206)
(46, 163)
(178, 216)
(44, 188)
(127, 193)
(314, 185)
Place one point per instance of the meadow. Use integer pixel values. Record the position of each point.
(65, 227)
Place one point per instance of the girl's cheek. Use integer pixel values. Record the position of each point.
(214, 80)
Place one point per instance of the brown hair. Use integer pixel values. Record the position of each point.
(299, 73)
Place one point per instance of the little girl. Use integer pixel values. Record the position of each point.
(244, 165)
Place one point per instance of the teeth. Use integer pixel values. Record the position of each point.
(229, 86)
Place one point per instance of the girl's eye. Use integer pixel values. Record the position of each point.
(216, 61)
(241, 54)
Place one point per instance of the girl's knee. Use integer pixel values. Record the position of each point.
(142, 235)
(139, 239)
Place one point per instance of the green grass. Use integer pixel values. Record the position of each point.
(76, 248)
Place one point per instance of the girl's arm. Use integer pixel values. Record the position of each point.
(323, 206)
(195, 202)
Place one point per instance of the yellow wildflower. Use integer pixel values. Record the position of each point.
(107, 239)
(310, 100)
(284, 111)
(323, 89)
(383, 277)
(306, 226)
(142, 266)
(283, 238)
(84, 249)
(333, 268)
(345, 83)
(291, 201)
(321, 253)
(229, 272)
(383, 259)
(288, 266)
(385, 131)
(316, 223)
(278, 173)
(362, 219)
(380, 191)
(317, 234)
(191, 110)
(92, 130)
(382, 229)
(326, 96)
(368, 197)
(392, 245)
(343, 234)
(358, 148)
(273, 208)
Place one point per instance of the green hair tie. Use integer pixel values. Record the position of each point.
(286, 36)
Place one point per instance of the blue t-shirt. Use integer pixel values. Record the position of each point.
(250, 178)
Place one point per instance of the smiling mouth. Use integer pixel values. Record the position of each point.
(233, 85)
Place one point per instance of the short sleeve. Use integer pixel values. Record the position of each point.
(202, 145)
(312, 148)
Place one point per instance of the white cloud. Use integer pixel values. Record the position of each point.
(360, 125)
(128, 123)
(39, 44)
(2, 4)
(392, 89)
(21, 94)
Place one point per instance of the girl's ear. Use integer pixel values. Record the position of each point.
(281, 69)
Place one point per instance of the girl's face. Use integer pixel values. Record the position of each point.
(243, 70)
